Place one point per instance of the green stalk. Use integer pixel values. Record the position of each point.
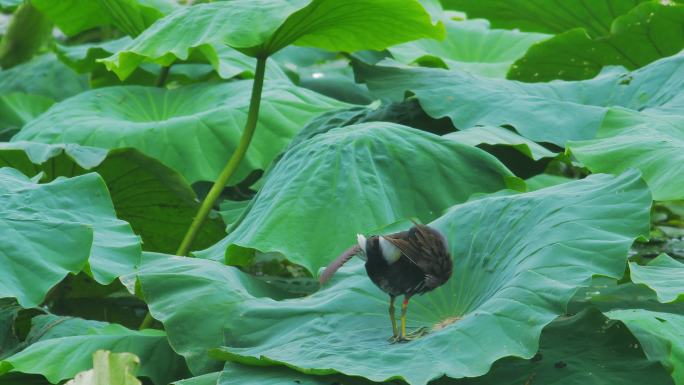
(147, 321)
(232, 164)
(163, 75)
(227, 172)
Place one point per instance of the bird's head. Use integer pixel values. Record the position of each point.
(363, 244)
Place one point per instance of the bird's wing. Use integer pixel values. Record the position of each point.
(337, 263)
(425, 247)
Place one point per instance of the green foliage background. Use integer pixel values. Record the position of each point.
(544, 138)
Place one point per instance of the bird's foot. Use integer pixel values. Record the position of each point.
(414, 335)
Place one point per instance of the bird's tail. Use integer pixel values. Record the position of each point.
(337, 263)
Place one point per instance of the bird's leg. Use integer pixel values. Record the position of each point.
(404, 308)
(403, 337)
(393, 319)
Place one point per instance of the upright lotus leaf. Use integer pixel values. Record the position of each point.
(229, 62)
(663, 275)
(647, 33)
(469, 46)
(498, 135)
(192, 129)
(366, 168)
(650, 141)
(56, 227)
(544, 112)
(129, 16)
(63, 355)
(156, 201)
(110, 368)
(225, 61)
(661, 335)
(82, 58)
(518, 259)
(336, 25)
(407, 113)
(548, 16)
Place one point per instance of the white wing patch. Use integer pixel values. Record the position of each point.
(390, 252)
(361, 240)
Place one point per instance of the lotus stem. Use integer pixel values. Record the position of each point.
(163, 75)
(147, 321)
(232, 164)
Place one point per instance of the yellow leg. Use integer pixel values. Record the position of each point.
(404, 307)
(391, 314)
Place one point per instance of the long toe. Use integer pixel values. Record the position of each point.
(420, 332)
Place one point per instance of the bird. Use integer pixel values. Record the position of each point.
(405, 263)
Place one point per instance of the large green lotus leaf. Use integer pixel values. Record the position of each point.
(56, 227)
(45, 76)
(9, 5)
(28, 89)
(336, 25)
(216, 311)
(110, 368)
(548, 112)
(205, 379)
(192, 129)
(469, 46)
(82, 57)
(585, 349)
(9, 310)
(606, 295)
(518, 260)
(17, 109)
(366, 167)
(258, 375)
(650, 141)
(23, 379)
(500, 136)
(647, 33)
(129, 16)
(660, 334)
(333, 78)
(663, 275)
(541, 181)
(225, 61)
(156, 201)
(549, 16)
(61, 355)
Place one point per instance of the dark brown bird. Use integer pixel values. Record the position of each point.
(404, 263)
